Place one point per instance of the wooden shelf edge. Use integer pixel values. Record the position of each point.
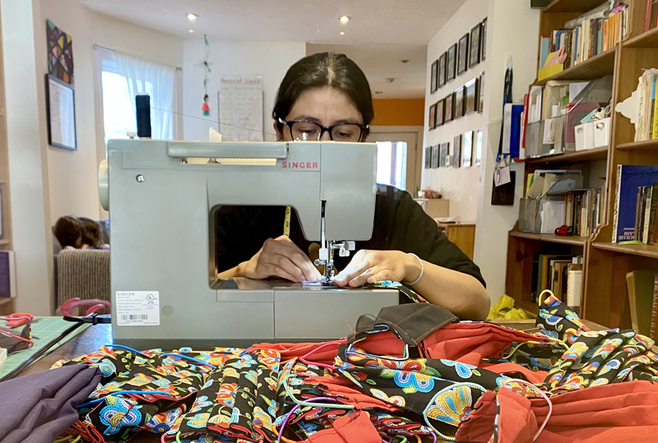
(574, 72)
(4, 241)
(586, 155)
(552, 238)
(527, 306)
(645, 144)
(647, 39)
(572, 6)
(5, 301)
(648, 251)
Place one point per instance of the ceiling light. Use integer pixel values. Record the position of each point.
(344, 19)
(191, 31)
(191, 16)
(379, 92)
(404, 60)
(390, 79)
(342, 33)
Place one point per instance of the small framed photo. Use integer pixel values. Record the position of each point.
(450, 63)
(467, 148)
(480, 93)
(428, 157)
(478, 146)
(462, 57)
(445, 152)
(442, 69)
(483, 40)
(433, 77)
(449, 110)
(440, 108)
(470, 96)
(432, 117)
(60, 106)
(457, 151)
(458, 102)
(435, 156)
(474, 52)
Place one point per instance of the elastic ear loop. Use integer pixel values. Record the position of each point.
(542, 394)
(320, 365)
(164, 437)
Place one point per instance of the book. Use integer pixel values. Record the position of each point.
(646, 205)
(574, 284)
(7, 274)
(558, 283)
(653, 324)
(629, 178)
(640, 285)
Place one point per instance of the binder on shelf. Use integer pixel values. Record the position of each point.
(512, 129)
(7, 274)
(629, 179)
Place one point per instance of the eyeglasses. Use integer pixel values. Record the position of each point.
(310, 131)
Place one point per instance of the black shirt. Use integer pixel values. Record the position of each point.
(400, 224)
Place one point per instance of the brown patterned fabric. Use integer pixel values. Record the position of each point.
(83, 273)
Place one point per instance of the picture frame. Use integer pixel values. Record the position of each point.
(445, 152)
(434, 77)
(480, 92)
(60, 107)
(449, 109)
(440, 113)
(432, 117)
(462, 55)
(474, 50)
(457, 149)
(451, 59)
(442, 69)
(435, 156)
(428, 157)
(458, 102)
(478, 147)
(470, 96)
(467, 149)
(483, 40)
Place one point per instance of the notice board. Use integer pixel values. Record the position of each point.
(241, 108)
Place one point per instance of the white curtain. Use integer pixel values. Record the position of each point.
(156, 80)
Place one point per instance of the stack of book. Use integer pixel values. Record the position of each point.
(560, 273)
(636, 199)
(584, 209)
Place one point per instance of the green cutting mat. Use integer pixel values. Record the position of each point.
(46, 328)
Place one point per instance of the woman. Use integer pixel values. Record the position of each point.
(327, 97)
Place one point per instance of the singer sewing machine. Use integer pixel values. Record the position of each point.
(161, 196)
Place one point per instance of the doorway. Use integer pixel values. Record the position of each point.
(397, 158)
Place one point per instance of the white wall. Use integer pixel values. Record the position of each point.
(269, 60)
(459, 185)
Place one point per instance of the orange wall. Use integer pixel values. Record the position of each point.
(399, 112)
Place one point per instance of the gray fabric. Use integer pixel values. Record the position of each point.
(83, 273)
(39, 407)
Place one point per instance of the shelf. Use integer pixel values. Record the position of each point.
(572, 6)
(594, 67)
(648, 39)
(4, 241)
(552, 238)
(587, 155)
(648, 251)
(646, 144)
(527, 306)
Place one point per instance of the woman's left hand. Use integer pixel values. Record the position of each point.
(368, 266)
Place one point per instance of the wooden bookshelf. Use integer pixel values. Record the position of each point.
(571, 156)
(573, 240)
(647, 39)
(648, 251)
(646, 144)
(594, 67)
(572, 5)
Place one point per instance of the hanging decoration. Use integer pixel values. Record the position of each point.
(205, 65)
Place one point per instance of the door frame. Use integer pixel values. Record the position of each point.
(418, 131)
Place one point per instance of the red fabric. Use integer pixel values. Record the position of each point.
(621, 413)
(471, 342)
(353, 428)
(534, 377)
(289, 351)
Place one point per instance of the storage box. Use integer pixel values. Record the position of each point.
(584, 136)
(601, 130)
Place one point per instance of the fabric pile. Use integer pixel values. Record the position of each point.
(413, 373)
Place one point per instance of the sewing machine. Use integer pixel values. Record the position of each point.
(162, 195)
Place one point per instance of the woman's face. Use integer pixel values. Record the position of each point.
(327, 106)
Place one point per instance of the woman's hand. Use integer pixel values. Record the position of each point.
(280, 257)
(368, 266)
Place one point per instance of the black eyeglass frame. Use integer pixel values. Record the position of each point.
(363, 128)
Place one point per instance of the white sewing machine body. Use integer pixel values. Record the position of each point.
(161, 196)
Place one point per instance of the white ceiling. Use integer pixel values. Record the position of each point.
(379, 34)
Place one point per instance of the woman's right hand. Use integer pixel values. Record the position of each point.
(282, 258)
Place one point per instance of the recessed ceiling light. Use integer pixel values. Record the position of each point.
(342, 33)
(192, 16)
(390, 79)
(405, 60)
(379, 92)
(191, 31)
(344, 19)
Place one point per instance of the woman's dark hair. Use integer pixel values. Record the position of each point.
(91, 234)
(68, 230)
(320, 70)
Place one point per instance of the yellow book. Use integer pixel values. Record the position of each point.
(654, 116)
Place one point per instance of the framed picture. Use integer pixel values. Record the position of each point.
(432, 118)
(445, 151)
(483, 40)
(458, 102)
(449, 110)
(470, 96)
(474, 52)
(435, 156)
(433, 77)
(440, 107)
(428, 157)
(478, 146)
(457, 151)
(462, 56)
(442, 69)
(467, 148)
(480, 93)
(60, 106)
(450, 62)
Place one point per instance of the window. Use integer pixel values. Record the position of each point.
(392, 164)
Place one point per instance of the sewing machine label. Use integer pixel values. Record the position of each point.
(138, 308)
